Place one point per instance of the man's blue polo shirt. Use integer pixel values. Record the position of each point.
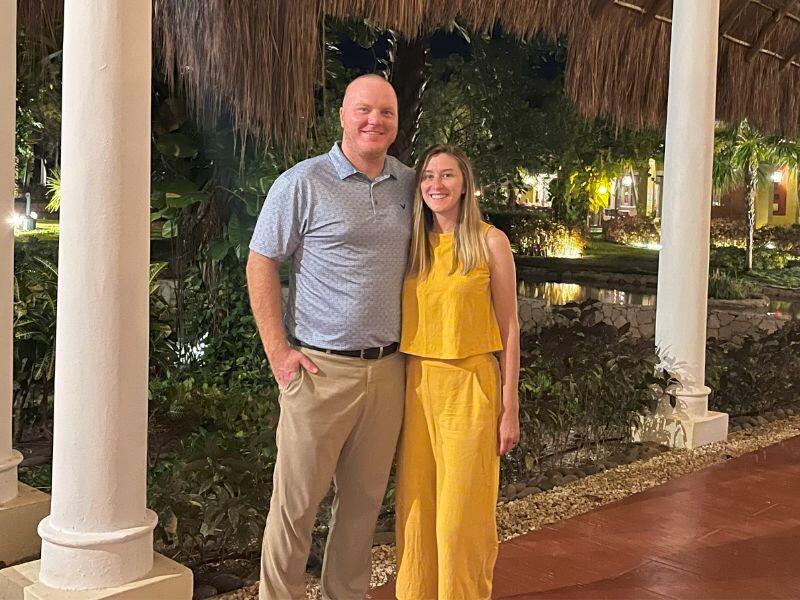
(347, 240)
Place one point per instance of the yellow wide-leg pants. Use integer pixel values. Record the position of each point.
(447, 479)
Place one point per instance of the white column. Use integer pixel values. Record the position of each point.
(100, 533)
(9, 459)
(681, 313)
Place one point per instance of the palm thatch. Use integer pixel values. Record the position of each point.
(261, 59)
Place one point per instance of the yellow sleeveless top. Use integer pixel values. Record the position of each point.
(448, 315)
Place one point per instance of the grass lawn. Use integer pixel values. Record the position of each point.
(781, 278)
(45, 230)
(600, 256)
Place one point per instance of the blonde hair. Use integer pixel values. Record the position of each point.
(469, 239)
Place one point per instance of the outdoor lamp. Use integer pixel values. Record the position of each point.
(777, 176)
(627, 181)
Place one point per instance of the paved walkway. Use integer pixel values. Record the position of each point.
(731, 531)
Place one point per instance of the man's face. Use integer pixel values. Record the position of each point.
(369, 118)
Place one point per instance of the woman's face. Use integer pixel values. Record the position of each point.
(442, 186)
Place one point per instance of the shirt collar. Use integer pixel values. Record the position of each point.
(344, 168)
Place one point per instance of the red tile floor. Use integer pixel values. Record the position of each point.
(730, 531)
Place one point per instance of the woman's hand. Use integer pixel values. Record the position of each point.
(508, 430)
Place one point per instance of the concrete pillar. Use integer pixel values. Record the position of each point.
(683, 263)
(21, 507)
(99, 535)
(8, 458)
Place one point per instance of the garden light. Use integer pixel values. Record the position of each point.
(15, 220)
(777, 177)
(34, 214)
(627, 181)
(602, 190)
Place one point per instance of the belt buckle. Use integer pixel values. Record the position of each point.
(368, 354)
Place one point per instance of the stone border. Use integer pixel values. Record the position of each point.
(723, 324)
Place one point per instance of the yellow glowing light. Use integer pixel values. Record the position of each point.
(602, 190)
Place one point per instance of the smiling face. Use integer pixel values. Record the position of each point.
(442, 188)
(369, 118)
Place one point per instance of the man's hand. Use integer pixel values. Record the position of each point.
(285, 363)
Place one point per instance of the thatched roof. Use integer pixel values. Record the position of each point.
(261, 59)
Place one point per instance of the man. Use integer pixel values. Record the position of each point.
(343, 221)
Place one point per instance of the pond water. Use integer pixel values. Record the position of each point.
(561, 293)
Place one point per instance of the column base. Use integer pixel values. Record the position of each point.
(679, 430)
(167, 580)
(19, 518)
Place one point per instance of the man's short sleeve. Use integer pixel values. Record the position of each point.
(282, 220)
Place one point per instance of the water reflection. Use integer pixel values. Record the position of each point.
(783, 308)
(562, 293)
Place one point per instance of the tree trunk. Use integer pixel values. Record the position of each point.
(409, 79)
(640, 188)
(751, 176)
(511, 196)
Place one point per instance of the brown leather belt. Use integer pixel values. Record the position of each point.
(365, 354)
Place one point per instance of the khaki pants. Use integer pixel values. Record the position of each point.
(342, 423)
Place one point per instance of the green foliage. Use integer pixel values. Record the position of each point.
(631, 231)
(213, 413)
(34, 325)
(744, 157)
(582, 385)
(733, 259)
(54, 191)
(505, 106)
(759, 376)
(536, 234)
(38, 121)
(726, 285)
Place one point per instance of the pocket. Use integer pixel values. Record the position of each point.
(294, 382)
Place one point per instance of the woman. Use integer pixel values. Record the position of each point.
(461, 408)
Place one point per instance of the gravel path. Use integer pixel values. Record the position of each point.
(528, 514)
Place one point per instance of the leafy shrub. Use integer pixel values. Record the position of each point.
(34, 325)
(782, 239)
(786, 240)
(582, 385)
(535, 234)
(761, 375)
(732, 258)
(631, 231)
(726, 285)
(727, 258)
(725, 232)
(213, 413)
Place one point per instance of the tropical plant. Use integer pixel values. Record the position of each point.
(745, 157)
(54, 191)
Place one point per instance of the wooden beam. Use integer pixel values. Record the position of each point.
(727, 23)
(651, 9)
(768, 29)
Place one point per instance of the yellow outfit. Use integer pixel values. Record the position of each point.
(448, 468)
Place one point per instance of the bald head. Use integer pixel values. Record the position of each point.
(372, 82)
(369, 118)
